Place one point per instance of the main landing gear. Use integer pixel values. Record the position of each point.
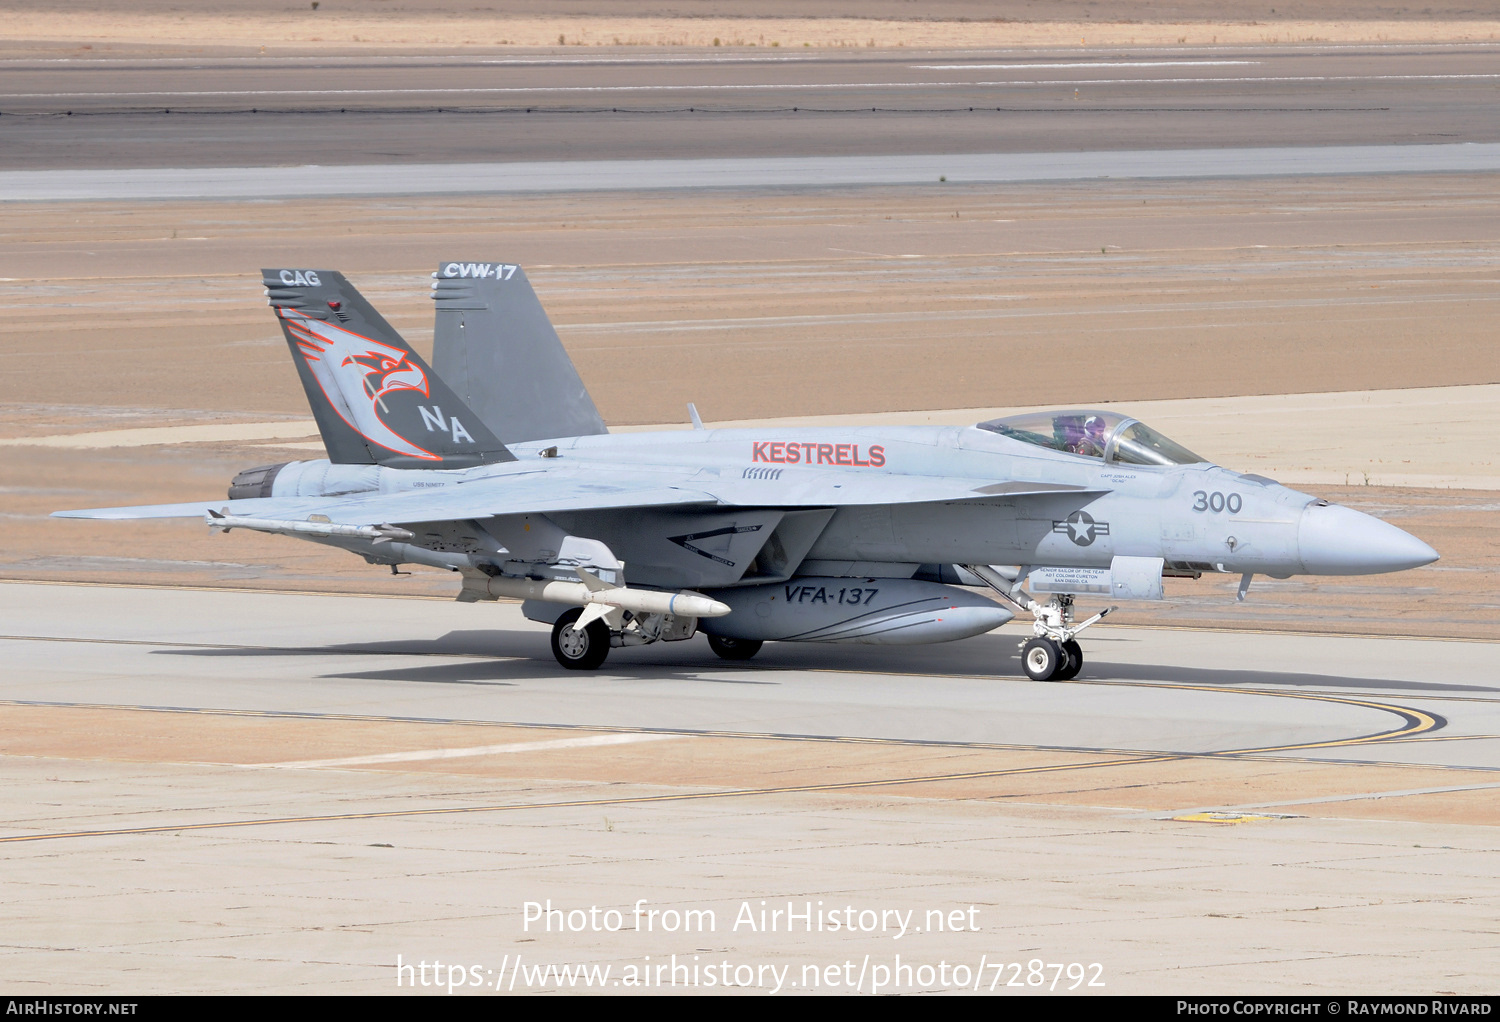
(585, 648)
(579, 649)
(734, 649)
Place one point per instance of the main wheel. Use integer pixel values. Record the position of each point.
(1074, 654)
(734, 649)
(579, 649)
(1041, 659)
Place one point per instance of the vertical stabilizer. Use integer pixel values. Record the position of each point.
(375, 400)
(494, 345)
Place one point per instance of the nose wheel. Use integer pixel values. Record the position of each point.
(1075, 661)
(1045, 659)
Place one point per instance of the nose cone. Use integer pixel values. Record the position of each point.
(1333, 540)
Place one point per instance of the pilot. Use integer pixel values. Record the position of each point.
(1091, 443)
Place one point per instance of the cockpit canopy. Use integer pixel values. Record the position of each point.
(1109, 436)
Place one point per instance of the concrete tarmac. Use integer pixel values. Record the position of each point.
(226, 791)
(120, 113)
(676, 176)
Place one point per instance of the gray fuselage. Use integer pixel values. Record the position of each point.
(1197, 517)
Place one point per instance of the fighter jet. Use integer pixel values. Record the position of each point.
(494, 463)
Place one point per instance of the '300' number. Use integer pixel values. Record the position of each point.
(1218, 502)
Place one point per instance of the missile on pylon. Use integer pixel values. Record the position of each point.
(592, 592)
(225, 521)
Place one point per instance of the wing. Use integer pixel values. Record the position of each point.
(516, 493)
(537, 490)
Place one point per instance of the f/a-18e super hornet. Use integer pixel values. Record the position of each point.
(495, 464)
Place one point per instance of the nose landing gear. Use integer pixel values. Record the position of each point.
(1053, 653)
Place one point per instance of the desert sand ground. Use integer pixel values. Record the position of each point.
(101, 27)
(752, 304)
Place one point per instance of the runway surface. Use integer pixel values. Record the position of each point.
(218, 790)
(773, 172)
(269, 111)
(1203, 693)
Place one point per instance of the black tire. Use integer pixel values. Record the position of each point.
(1074, 654)
(1041, 659)
(734, 649)
(579, 649)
